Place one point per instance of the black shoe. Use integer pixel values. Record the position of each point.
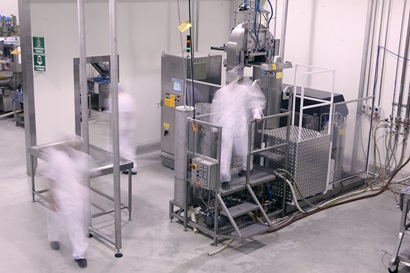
(81, 262)
(132, 172)
(242, 173)
(225, 185)
(55, 245)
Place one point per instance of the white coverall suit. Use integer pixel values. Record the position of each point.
(233, 106)
(127, 125)
(69, 171)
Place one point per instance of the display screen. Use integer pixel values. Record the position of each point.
(177, 86)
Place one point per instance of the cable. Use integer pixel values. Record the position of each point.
(271, 12)
(292, 190)
(394, 54)
(220, 249)
(294, 196)
(381, 190)
(297, 187)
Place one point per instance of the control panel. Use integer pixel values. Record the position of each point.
(204, 173)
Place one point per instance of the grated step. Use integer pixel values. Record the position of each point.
(272, 156)
(240, 209)
(251, 230)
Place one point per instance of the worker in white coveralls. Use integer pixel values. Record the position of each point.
(68, 172)
(127, 126)
(233, 106)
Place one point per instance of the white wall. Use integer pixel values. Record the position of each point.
(330, 33)
(145, 30)
(9, 7)
(327, 34)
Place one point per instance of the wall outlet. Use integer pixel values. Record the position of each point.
(377, 110)
(364, 108)
(369, 109)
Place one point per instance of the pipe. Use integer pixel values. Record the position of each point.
(275, 16)
(365, 48)
(196, 24)
(384, 53)
(283, 32)
(371, 44)
(30, 130)
(362, 83)
(193, 46)
(404, 70)
(83, 76)
(399, 107)
(398, 59)
(10, 113)
(114, 123)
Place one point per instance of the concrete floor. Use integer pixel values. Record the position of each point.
(357, 237)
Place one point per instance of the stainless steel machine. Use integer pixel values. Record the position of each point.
(10, 75)
(176, 91)
(98, 86)
(278, 150)
(225, 211)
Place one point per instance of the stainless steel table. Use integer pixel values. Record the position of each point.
(104, 162)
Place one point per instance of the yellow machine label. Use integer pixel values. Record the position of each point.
(166, 126)
(273, 66)
(279, 75)
(342, 132)
(170, 102)
(195, 127)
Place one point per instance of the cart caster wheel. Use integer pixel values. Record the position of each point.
(394, 271)
(90, 235)
(118, 255)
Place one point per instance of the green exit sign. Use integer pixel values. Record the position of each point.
(39, 54)
(39, 46)
(39, 62)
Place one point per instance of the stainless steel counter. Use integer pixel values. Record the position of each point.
(104, 162)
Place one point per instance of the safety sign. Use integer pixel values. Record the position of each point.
(39, 62)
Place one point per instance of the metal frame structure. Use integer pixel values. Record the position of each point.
(259, 175)
(29, 106)
(77, 93)
(314, 70)
(359, 101)
(104, 166)
(403, 257)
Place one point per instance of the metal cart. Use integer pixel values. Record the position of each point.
(104, 161)
(404, 256)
